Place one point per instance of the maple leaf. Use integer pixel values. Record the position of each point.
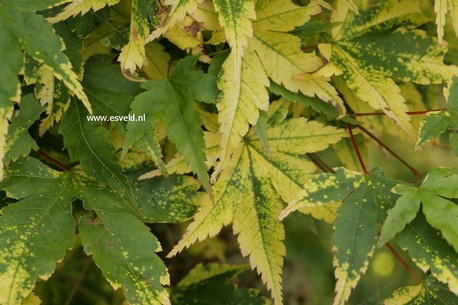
(432, 193)
(428, 293)
(143, 15)
(178, 11)
(88, 142)
(367, 50)
(18, 141)
(270, 53)
(356, 222)
(437, 122)
(122, 247)
(441, 8)
(17, 18)
(172, 101)
(36, 231)
(429, 251)
(250, 192)
(209, 284)
(80, 7)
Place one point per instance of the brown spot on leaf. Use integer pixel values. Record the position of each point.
(194, 28)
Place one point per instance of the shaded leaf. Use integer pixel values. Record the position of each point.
(209, 284)
(428, 293)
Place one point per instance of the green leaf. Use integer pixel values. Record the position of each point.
(123, 247)
(402, 213)
(209, 284)
(171, 200)
(440, 212)
(108, 90)
(432, 126)
(367, 51)
(430, 252)
(18, 141)
(253, 189)
(36, 231)
(356, 227)
(88, 142)
(436, 123)
(428, 293)
(172, 101)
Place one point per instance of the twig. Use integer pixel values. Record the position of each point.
(320, 163)
(408, 112)
(77, 284)
(358, 153)
(52, 160)
(403, 262)
(393, 153)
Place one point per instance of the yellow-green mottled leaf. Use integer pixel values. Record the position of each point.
(32, 299)
(81, 7)
(122, 247)
(367, 50)
(271, 52)
(235, 17)
(252, 190)
(428, 293)
(18, 141)
(440, 8)
(172, 199)
(35, 232)
(178, 11)
(133, 54)
(46, 47)
(453, 4)
(430, 252)
(356, 226)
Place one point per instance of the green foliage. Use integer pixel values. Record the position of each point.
(228, 113)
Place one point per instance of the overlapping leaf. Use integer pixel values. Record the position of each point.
(441, 8)
(439, 211)
(437, 122)
(36, 231)
(428, 293)
(18, 141)
(18, 31)
(252, 190)
(271, 52)
(430, 252)
(209, 284)
(375, 46)
(80, 7)
(172, 101)
(142, 16)
(123, 247)
(88, 142)
(356, 224)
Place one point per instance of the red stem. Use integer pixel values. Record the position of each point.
(52, 160)
(403, 262)
(392, 152)
(358, 153)
(408, 112)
